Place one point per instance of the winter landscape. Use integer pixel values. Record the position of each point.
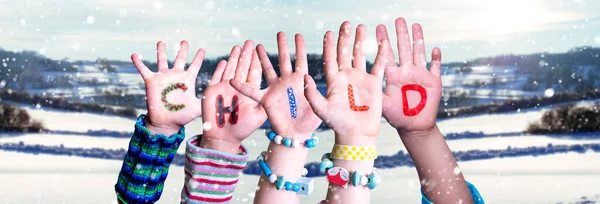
(520, 106)
(76, 156)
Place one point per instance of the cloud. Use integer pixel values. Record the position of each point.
(123, 27)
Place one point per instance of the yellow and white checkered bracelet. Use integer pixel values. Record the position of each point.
(359, 153)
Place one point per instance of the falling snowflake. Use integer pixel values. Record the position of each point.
(76, 46)
(209, 5)
(90, 20)
(206, 126)
(456, 170)
(235, 32)
(549, 92)
(158, 5)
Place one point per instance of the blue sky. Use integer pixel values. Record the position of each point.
(463, 29)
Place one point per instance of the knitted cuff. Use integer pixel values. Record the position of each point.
(146, 164)
(211, 176)
(477, 199)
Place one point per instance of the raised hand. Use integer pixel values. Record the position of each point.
(352, 106)
(228, 116)
(412, 93)
(287, 108)
(171, 97)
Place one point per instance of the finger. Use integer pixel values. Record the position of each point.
(436, 62)
(161, 56)
(343, 54)
(317, 102)
(232, 63)
(255, 72)
(419, 57)
(359, 61)
(181, 58)
(141, 67)
(197, 62)
(241, 73)
(381, 58)
(301, 61)
(403, 42)
(251, 92)
(329, 57)
(267, 67)
(218, 74)
(381, 34)
(285, 64)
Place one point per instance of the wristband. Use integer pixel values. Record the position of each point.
(303, 186)
(340, 176)
(289, 142)
(359, 153)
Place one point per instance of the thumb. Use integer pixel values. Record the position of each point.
(314, 97)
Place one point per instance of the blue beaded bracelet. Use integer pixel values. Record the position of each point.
(342, 177)
(303, 186)
(289, 142)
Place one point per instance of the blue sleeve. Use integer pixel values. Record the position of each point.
(477, 199)
(146, 164)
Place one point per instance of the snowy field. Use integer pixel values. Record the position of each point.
(63, 179)
(548, 179)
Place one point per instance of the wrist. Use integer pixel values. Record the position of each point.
(219, 144)
(354, 140)
(166, 130)
(293, 134)
(286, 161)
(418, 134)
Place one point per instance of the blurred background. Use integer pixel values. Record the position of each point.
(520, 105)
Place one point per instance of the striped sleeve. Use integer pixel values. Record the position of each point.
(211, 176)
(146, 164)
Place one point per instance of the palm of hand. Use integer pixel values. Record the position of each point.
(247, 120)
(227, 113)
(366, 91)
(413, 93)
(393, 104)
(172, 98)
(277, 105)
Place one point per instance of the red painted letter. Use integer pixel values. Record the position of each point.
(416, 110)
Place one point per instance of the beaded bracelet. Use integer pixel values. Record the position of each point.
(340, 176)
(303, 186)
(289, 142)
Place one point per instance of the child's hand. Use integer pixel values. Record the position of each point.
(412, 93)
(171, 97)
(287, 108)
(228, 116)
(352, 106)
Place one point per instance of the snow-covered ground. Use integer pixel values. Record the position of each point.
(511, 82)
(548, 179)
(388, 142)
